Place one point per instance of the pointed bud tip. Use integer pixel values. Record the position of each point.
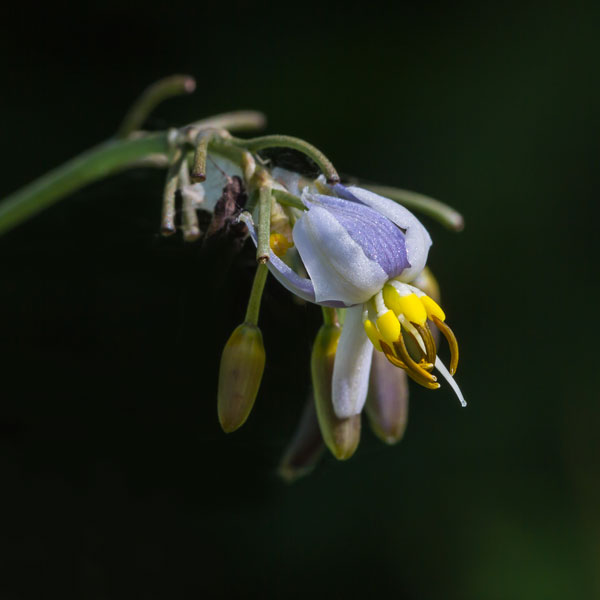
(344, 452)
(189, 84)
(232, 414)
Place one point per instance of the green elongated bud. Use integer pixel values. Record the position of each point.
(340, 435)
(242, 366)
(387, 400)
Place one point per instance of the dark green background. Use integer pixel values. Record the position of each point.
(117, 481)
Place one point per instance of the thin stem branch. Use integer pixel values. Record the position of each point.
(286, 141)
(239, 120)
(190, 225)
(263, 246)
(435, 209)
(99, 162)
(330, 316)
(167, 226)
(258, 286)
(287, 199)
(151, 97)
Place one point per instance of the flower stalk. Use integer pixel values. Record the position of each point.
(286, 141)
(258, 285)
(168, 226)
(176, 85)
(190, 225)
(264, 223)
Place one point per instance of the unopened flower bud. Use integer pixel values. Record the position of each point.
(387, 401)
(305, 448)
(340, 435)
(242, 366)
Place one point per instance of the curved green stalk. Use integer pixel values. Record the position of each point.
(103, 160)
(151, 98)
(286, 141)
(287, 199)
(109, 158)
(435, 209)
(258, 286)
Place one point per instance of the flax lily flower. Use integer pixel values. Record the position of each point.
(361, 251)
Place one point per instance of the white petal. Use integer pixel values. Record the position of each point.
(418, 240)
(336, 264)
(439, 365)
(300, 286)
(352, 366)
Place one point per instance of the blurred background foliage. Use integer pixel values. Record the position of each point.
(118, 482)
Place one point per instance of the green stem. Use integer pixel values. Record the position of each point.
(103, 160)
(109, 158)
(435, 209)
(286, 141)
(330, 316)
(199, 164)
(263, 245)
(287, 199)
(190, 226)
(256, 294)
(237, 120)
(151, 98)
(171, 184)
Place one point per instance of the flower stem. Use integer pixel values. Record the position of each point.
(151, 98)
(264, 223)
(109, 158)
(256, 294)
(103, 160)
(287, 199)
(237, 120)
(190, 226)
(199, 165)
(435, 209)
(330, 316)
(286, 141)
(167, 226)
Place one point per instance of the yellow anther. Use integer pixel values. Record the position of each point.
(389, 326)
(433, 308)
(279, 244)
(410, 306)
(373, 334)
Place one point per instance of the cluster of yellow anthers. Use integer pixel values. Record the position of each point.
(395, 321)
(280, 244)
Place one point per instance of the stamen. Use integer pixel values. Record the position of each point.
(413, 345)
(408, 326)
(451, 339)
(279, 244)
(388, 326)
(412, 374)
(400, 348)
(372, 334)
(433, 308)
(403, 301)
(430, 349)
